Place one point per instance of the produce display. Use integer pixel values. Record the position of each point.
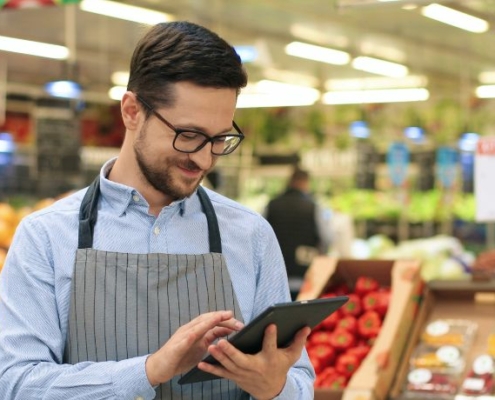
(438, 368)
(441, 256)
(339, 344)
(433, 205)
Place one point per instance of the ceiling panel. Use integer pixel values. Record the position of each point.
(450, 57)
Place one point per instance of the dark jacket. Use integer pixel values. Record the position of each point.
(292, 216)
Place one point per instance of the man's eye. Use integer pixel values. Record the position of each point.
(190, 135)
(220, 139)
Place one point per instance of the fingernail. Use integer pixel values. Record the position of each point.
(239, 325)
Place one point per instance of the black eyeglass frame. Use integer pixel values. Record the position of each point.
(208, 139)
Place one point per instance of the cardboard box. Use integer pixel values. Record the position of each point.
(465, 300)
(373, 379)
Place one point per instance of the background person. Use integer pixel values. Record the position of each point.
(302, 227)
(118, 289)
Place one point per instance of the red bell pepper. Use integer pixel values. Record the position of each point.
(347, 364)
(369, 324)
(324, 374)
(342, 340)
(371, 301)
(334, 382)
(352, 306)
(383, 301)
(365, 284)
(360, 351)
(317, 365)
(348, 323)
(324, 353)
(319, 337)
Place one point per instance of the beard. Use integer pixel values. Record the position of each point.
(160, 175)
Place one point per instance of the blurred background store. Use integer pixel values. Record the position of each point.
(382, 101)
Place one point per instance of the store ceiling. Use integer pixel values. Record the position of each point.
(451, 58)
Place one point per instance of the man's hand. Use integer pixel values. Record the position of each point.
(188, 345)
(262, 375)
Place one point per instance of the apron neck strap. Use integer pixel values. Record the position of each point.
(211, 217)
(88, 214)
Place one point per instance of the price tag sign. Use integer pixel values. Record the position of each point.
(484, 183)
(398, 162)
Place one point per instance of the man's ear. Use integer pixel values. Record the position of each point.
(130, 109)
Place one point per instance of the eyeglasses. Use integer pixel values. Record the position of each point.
(191, 140)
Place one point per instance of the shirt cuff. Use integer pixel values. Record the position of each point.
(130, 381)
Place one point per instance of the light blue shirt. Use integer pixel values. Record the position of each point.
(35, 287)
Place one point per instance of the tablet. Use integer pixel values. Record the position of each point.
(289, 318)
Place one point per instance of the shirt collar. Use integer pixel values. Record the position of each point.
(121, 196)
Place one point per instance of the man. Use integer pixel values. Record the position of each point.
(117, 290)
(301, 225)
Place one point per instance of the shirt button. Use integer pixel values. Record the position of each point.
(156, 231)
(135, 198)
(139, 398)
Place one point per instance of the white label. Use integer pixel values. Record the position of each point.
(483, 365)
(437, 328)
(473, 384)
(419, 376)
(448, 354)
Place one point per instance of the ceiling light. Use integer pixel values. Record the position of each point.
(125, 11)
(485, 91)
(34, 48)
(455, 18)
(410, 81)
(248, 53)
(117, 92)
(379, 67)
(317, 53)
(120, 78)
(487, 77)
(291, 77)
(268, 93)
(324, 35)
(64, 89)
(375, 96)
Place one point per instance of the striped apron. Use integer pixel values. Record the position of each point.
(128, 305)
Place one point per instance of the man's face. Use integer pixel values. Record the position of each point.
(169, 171)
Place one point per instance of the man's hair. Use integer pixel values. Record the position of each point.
(182, 52)
(298, 175)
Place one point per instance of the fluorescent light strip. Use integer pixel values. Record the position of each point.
(124, 11)
(487, 77)
(266, 93)
(317, 53)
(410, 81)
(379, 67)
(485, 91)
(32, 48)
(455, 18)
(120, 78)
(252, 100)
(375, 96)
(290, 76)
(117, 92)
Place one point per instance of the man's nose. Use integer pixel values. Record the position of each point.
(203, 158)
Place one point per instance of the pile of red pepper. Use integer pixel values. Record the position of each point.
(339, 344)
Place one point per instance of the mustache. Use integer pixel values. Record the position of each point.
(190, 165)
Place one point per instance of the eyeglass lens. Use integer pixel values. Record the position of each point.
(190, 142)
